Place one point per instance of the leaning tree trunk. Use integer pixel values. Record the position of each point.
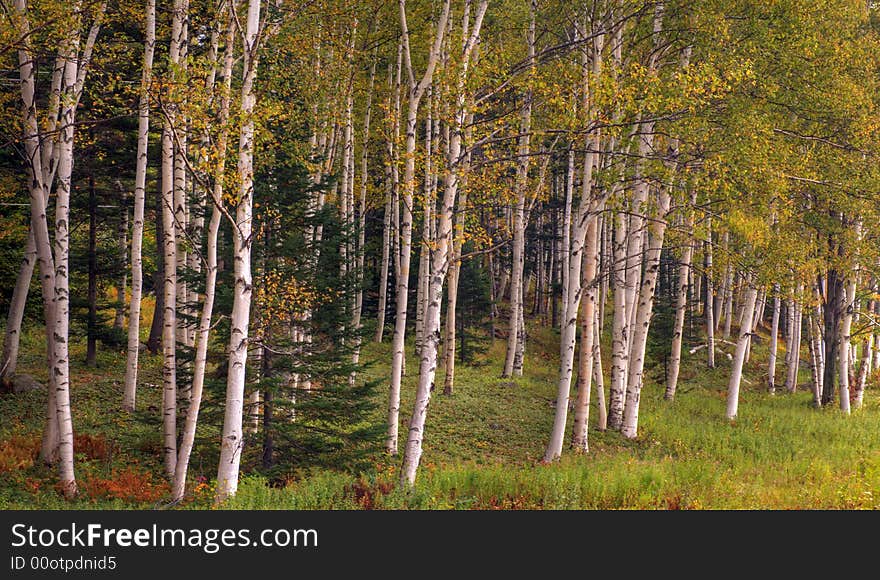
(745, 334)
(137, 229)
(201, 357)
(416, 91)
(584, 246)
(440, 254)
(644, 310)
(17, 305)
(38, 192)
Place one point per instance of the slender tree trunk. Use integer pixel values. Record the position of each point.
(391, 190)
(232, 441)
(92, 323)
(680, 307)
(188, 435)
(862, 377)
(846, 320)
(579, 440)
(17, 305)
(739, 358)
(38, 191)
(415, 91)
(137, 229)
(427, 231)
(519, 235)
(619, 327)
(171, 224)
(455, 271)
(566, 222)
(794, 352)
(61, 368)
(774, 340)
(657, 231)
(710, 299)
(584, 247)
(362, 225)
(440, 255)
(599, 379)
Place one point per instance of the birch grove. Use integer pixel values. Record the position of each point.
(604, 205)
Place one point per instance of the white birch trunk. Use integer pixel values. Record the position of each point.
(440, 254)
(845, 339)
(681, 299)
(232, 440)
(61, 358)
(739, 358)
(619, 326)
(38, 190)
(15, 316)
(137, 229)
(710, 299)
(415, 92)
(188, 435)
(774, 341)
(634, 383)
(584, 246)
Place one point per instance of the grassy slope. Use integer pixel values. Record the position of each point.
(483, 445)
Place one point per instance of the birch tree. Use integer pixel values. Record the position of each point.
(232, 440)
(137, 231)
(440, 255)
(415, 92)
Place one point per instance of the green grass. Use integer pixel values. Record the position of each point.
(484, 443)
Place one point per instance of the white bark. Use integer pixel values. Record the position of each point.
(579, 440)
(739, 358)
(362, 224)
(391, 191)
(774, 340)
(232, 440)
(12, 340)
(415, 92)
(187, 437)
(710, 299)
(439, 255)
(684, 270)
(634, 383)
(619, 326)
(171, 237)
(137, 229)
(843, 350)
(511, 364)
(38, 190)
(584, 247)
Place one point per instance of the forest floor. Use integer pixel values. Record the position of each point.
(483, 445)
